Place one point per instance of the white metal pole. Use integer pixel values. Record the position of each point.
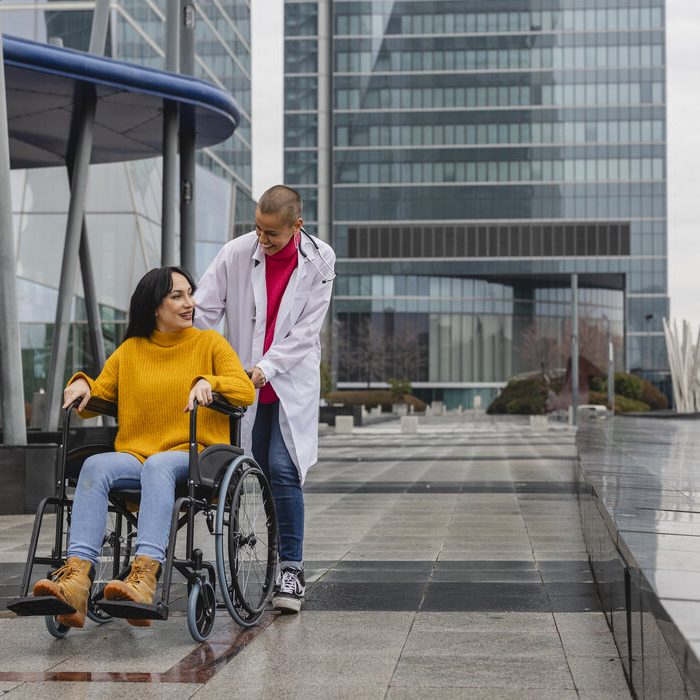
(11, 381)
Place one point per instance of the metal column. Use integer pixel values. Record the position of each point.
(11, 381)
(324, 134)
(324, 128)
(84, 110)
(98, 39)
(76, 243)
(574, 347)
(168, 255)
(187, 144)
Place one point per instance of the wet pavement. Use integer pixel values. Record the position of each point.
(449, 563)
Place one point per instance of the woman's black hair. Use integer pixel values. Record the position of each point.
(152, 288)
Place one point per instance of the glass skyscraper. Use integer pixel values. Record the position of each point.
(483, 151)
(123, 205)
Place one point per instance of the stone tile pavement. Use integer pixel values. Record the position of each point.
(444, 564)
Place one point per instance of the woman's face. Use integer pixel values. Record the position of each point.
(176, 311)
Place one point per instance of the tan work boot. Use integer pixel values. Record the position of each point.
(138, 587)
(71, 584)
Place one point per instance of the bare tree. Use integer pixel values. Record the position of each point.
(592, 342)
(361, 353)
(368, 353)
(540, 350)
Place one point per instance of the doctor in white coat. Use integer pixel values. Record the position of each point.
(274, 287)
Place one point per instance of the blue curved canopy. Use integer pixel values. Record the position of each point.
(43, 83)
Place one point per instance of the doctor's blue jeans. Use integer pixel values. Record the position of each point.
(270, 452)
(156, 478)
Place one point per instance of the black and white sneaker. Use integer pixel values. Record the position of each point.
(291, 591)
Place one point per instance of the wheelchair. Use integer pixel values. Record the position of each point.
(225, 487)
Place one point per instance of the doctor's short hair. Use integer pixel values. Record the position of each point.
(281, 200)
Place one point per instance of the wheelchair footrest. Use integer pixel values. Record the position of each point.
(133, 611)
(40, 605)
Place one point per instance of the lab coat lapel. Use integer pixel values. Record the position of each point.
(260, 301)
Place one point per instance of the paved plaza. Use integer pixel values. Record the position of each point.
(445, 564)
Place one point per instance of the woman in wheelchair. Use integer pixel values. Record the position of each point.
(163, 365)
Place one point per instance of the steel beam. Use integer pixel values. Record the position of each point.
(187, 144)
(84, 114)
(76, 244)
(168, 254)
(11, 380)
(98, 41)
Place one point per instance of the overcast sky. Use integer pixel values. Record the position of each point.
(683, 61)
(683, 75)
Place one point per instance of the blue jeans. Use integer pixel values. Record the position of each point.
(270, 452)
(156, 477)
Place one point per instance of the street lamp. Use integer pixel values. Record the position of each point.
(611, 366)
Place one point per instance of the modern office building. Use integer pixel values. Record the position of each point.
(123, 207)
(474, 156)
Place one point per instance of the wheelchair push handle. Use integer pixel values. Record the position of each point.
(220, 405)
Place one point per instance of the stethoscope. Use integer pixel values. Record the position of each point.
(324, 278)
(330, 274)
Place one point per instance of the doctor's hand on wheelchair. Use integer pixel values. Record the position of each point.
(77, 390)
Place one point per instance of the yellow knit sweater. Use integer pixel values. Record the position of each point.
(150, 379)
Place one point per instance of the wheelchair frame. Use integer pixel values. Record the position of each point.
(219, 473)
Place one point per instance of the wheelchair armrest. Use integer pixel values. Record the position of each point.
(221, 405)
(95, 405)
(101, 406)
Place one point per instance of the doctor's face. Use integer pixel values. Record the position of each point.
(274, 232)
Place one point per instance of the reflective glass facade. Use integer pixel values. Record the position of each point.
(123, 207)
(483, 152)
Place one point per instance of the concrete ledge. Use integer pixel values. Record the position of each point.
(642, 534)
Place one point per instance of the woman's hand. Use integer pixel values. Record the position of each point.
(79, 389)
(202, 392)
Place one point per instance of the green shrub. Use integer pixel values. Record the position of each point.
(631, 386)
(326, 382)
(373, 397)
(653, 397)
(523, 396)
(625, 405)
(628, 385)
(622, 403)
(399, 387)
(598, 398)
(599, 384)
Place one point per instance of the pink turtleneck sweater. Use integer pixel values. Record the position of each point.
(278, 270)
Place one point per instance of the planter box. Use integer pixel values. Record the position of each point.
(327, 414)
(28, 475)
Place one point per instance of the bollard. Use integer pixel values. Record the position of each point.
(343, 425)
(409, 424)
(539, 422)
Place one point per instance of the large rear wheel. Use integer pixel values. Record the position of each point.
(246, 541)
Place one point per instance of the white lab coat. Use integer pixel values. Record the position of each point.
(234, 284)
